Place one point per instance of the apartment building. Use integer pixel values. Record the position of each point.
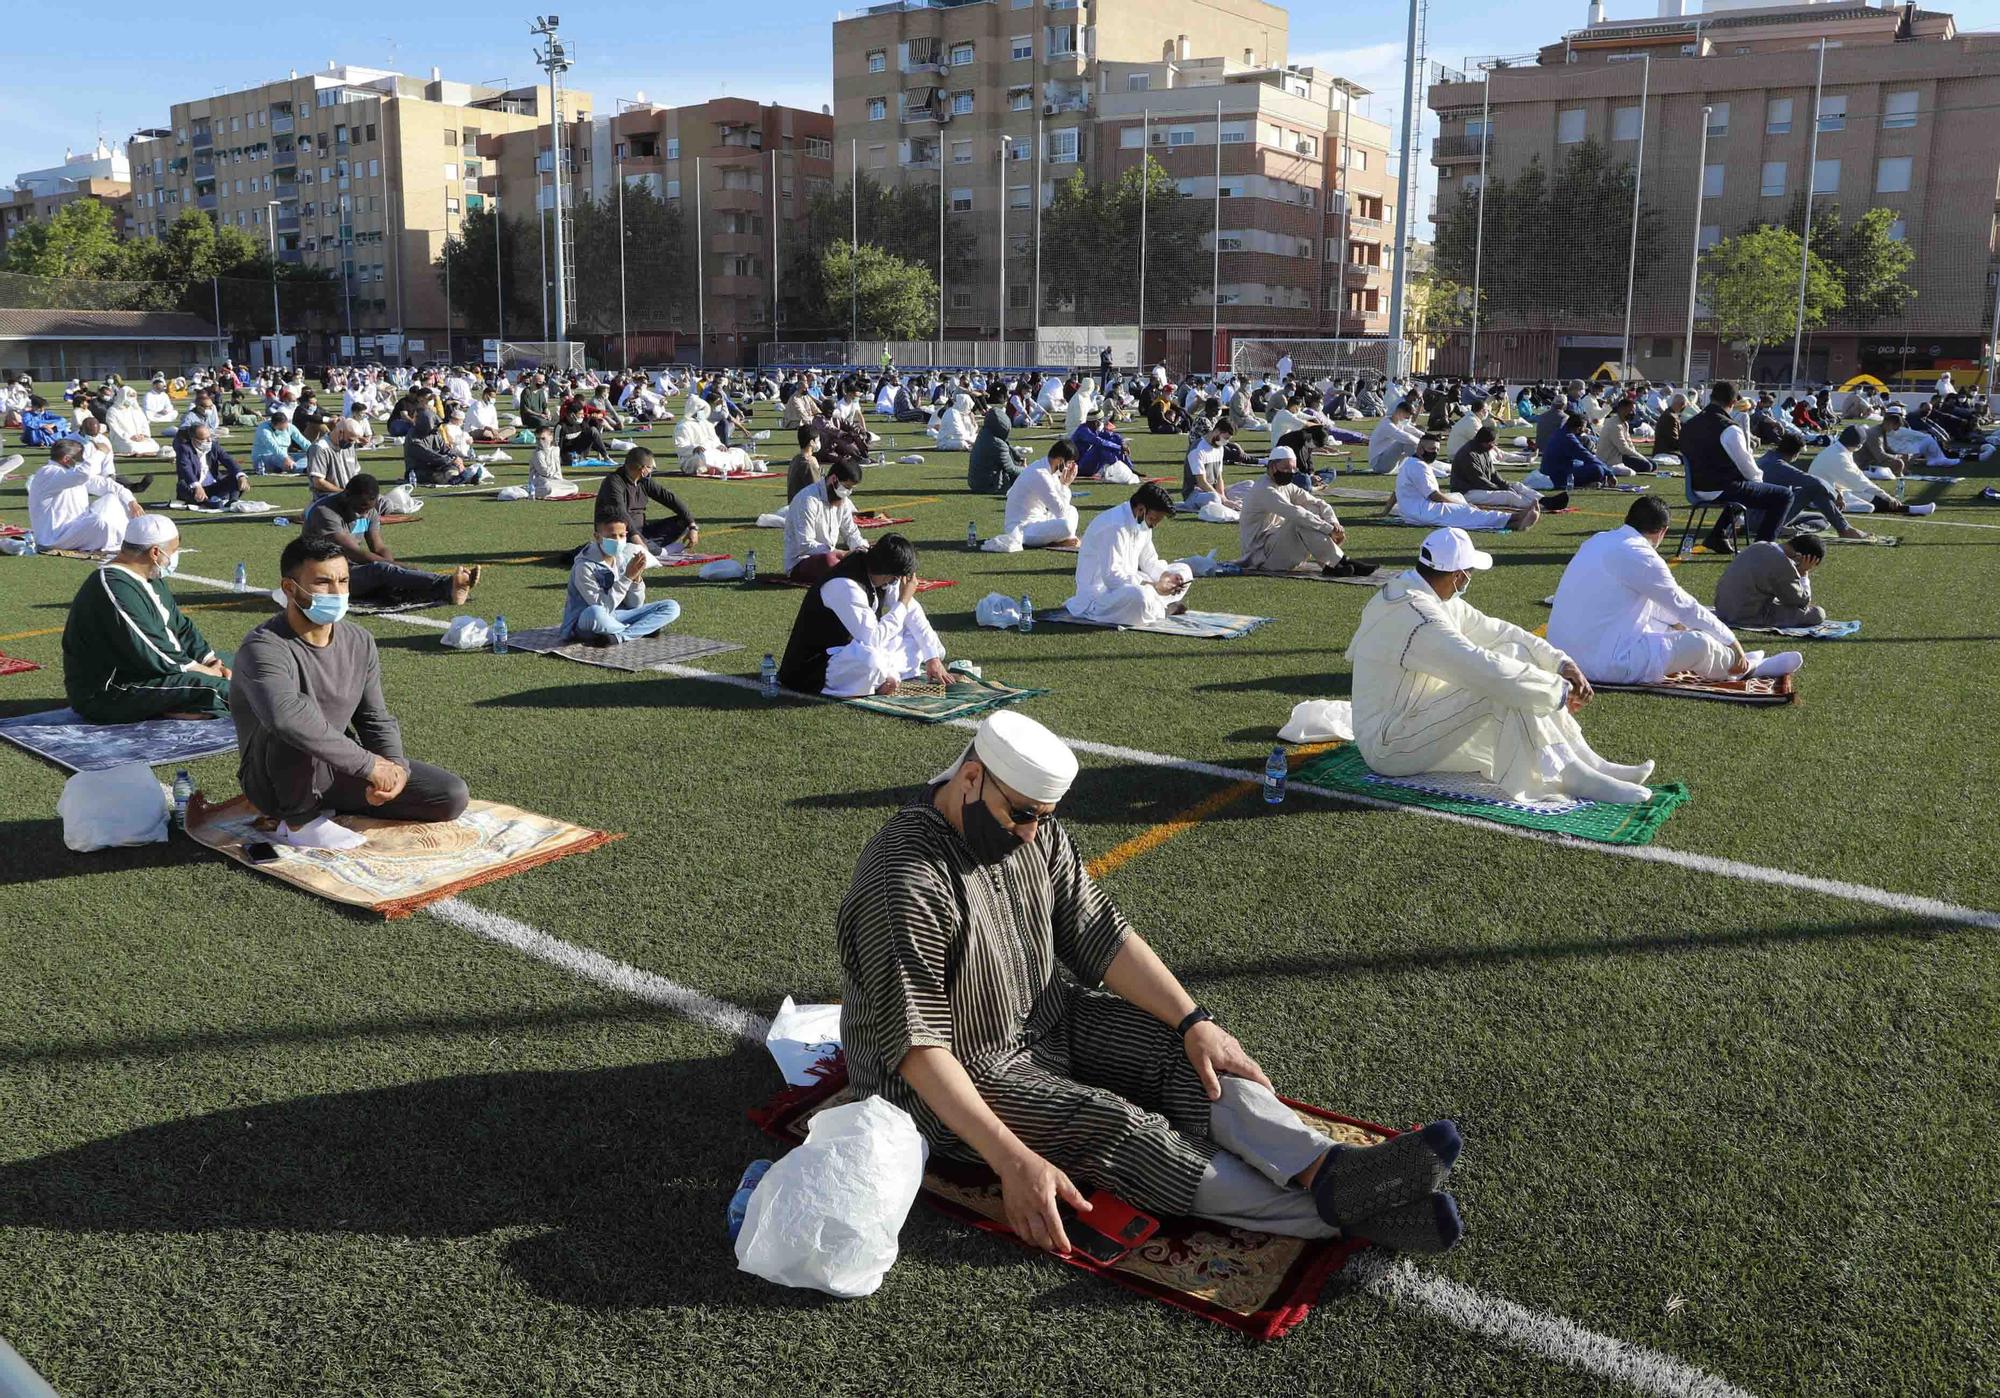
(927, 91)
(756, 167)
(37, 195)
(1903, 122)
(361, 171)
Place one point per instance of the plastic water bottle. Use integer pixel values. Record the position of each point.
(750, 567)
(739, 1202)
(767, 675)
(1027, 613)
(499, 635)
(281, 522)
(242, 578)
(972, 533)
(183, 792)
(1276, 770)
(29, 540)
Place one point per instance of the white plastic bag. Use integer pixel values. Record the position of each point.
(771, 521)
(250, 507)
(511, 492)
(1319, 720)
(1201, 565)
(1535, 480)
(726, 569)
(13, 547)
(1008, 541)
(123, 805)
(915, 458)
(497, 456)
(1118, 473)
(401, 501)
(621, 444)
(467, 633)
(998, 610)
(826, 1216)
(1215, 512)
(1520, 444)
(800, 1036)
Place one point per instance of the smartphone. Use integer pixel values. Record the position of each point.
(1111, 1229)
(261, 852)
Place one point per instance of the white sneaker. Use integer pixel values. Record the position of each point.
(12, 464)
(321, 832)
(1880, 473)
(1927, 508)
(1785, 662)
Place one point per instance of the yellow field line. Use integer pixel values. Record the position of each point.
(1149, 840)
(24, 635)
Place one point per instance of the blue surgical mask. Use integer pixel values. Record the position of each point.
(325, 608)
(171, 565)
(611, 548)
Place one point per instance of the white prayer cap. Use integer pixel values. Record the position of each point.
(1449, 550)
(1281, 454)
(148, 531)
(1022, 755)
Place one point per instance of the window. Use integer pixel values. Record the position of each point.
(371, 132)
(1021, 47)
(1898, 231)
(1235, 133)
(451, 172)
(1718, 119)
(450, 137)
(451, 206)
(961, 201)
(1778, 116)
(1180, 135)
(374, 168)
(818, 148)
(878, 108)
(340, 136)
(1711, 181)
(1833, 113)
(1131, 137)
(1061, 41)
(961, 152)
(1826, 177)
(878, 61)
(1019, 99)
(1020, 150)
(1711, 234)
(673, 189)
(878, 157)
(1017, 196)
(1062, 147)
(1774, 179)
(961, 103)
(1892, 175)
(1899, 109)
(1624, 123)
(674, 148)
(1569, 126)
(961, 55)
(1360, 158)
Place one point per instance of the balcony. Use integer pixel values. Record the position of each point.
(204, 169)
(285, 158)
(287, 222)
(1450, 150)
(205, 201)
(202, 139)
(1358, 275)
(291, 256)
(740, 200)
(1360, 223)
(282, 125)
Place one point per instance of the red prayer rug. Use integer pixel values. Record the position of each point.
(11, 665)
(1758, 692)
(1258, 1283)
(881, 521)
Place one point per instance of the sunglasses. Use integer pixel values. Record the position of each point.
(1021, 815)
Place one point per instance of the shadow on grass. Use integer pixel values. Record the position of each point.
(19, 837)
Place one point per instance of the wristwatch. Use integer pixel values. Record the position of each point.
(1194, 1016)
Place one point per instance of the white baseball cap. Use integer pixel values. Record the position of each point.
(1451, 550)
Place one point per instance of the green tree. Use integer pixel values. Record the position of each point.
(659, 262)
(1093, 232)
(1870, 264)
(896, 299)
(1436, 306)
(901, 220)
(1752, 285)
(80, 242)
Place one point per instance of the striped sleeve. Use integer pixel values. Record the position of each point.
(1089, 930)
(897, 928)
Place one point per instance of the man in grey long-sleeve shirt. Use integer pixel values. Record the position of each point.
(313, 733)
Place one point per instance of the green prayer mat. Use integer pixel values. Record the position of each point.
(929, 702)
(1464, 794)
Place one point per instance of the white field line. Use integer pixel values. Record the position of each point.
(1910, 904)
(1538, 1333)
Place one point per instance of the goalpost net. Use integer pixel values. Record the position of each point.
(563, 356)
(1367, 360)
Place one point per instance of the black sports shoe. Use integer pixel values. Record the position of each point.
(1348, 568)
(1556, 500)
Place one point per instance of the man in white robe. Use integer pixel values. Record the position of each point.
(73, 507)
(1394, 438)
(1420, 500)
(1120, 579)
(1039, 509)
(819, 524)
(159, 404)
(1911, 442)
(956, 429)
(1441, 687)
(131, 430)
(861, 630)
(700, 449)
(1835, 464)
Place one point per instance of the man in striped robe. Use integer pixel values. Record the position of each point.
(994, 993)
(129, 654)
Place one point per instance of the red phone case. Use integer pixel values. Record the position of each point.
(1118, 1220)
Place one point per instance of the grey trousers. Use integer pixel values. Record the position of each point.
(1249, 1182)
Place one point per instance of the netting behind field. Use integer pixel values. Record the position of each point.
(567, 357)
(1365, 359)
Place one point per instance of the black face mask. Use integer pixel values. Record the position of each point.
(1427, 454)
(1283, 477)
(989, 839)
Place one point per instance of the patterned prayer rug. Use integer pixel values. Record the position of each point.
(63, 737)
(1344, 769)
(14, 665)
(882, 521)
(662, 648)
(11, 531)
(1690, 686)
(1215, 626)
(406, 864)
(927, 701)
(1825, 631)
(1258, 1283)
(690, 560)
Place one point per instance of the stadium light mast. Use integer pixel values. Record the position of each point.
(553, 58)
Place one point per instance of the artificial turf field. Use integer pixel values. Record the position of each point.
(250, 1144)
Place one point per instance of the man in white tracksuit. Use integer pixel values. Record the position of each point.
(1441, 687)
(1120, 579)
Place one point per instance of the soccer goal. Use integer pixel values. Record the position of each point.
(1367, 360)
(563, 356)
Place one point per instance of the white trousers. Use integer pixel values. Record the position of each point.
(1133, 603)
(856, 669)
(1040, 533)
(1458, 516)
(97, 529)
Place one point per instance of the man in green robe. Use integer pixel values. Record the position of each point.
(129, 654)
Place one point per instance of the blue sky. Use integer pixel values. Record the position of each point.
(773, 50)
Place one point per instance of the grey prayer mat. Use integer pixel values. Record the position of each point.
(666, 647)
(64, 738)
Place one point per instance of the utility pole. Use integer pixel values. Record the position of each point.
(553, 58)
